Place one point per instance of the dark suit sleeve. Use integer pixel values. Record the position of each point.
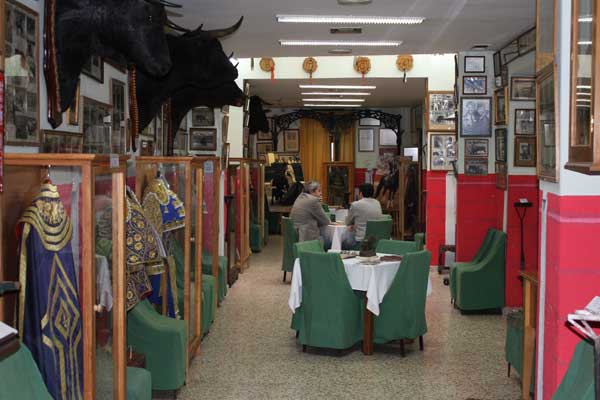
(319, 214)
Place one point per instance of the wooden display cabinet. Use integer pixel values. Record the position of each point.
(257, 193)
(185, 178)
(87, 185)
(338, 183)
(240, 172)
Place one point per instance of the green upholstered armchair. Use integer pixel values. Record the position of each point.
(290, 236)
(578, 382)
(480, 286)
(256, 238)
(402, 312)
(163, 341)
(379, 229)
(332, 315)
(420, 241)
(487, 240)
(399, 247)
(207, 270)
(139, 384)
(20, 377)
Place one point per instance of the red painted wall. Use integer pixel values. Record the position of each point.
(520, 186)
(479, 207)
(572, 277)
(435, 220)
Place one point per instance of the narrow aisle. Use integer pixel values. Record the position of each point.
(251, 352)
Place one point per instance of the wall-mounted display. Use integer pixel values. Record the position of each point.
(203, 116)
(443, 151)
(442, 109)
(522, 88)
(387, 137)
(61, 142)
(96, 127)
(524, 151)
(476, 84)
(369, 122)
(94, 68)
(500, 106)
(21, 75)
(203, 139)
(476, 148)
(544, 53)
(475, 116)
(366, 140)
(524, 121)
(547, 148)
(474, 64)
(476, 166)
(291, 140)
(501, 175)
(501, 144)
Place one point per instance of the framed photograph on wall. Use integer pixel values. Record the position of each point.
(387, 137)
(442, 151)
(369, 122)
(203, 116)
(476, 84)
(146, 147)
(96, 127)
(264, 148)
(474, 64)
(501, 175)
(21, 76)
(524, 121)
(501, 144)
(366, 140)
(497, 64)
(476, 166)
(224, 128)
(476, 148)
(525, 151)
(442, 109)
(203, 139)
(290, 140)
(61, 142)
(500, 107)
(475, 116)
(94, 68)
(522, 88)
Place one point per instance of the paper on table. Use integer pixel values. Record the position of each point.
(594, 306)
(6, 330)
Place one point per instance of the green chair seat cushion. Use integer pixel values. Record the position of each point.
(139, 384)
(20, 377)
(163, 341)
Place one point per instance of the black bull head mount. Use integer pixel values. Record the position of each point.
(130, 31)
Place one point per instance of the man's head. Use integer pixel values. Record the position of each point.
(313, 187)
(366, 190)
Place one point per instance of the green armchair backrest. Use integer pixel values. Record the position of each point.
(578, 382)
(290, 236)
(309, 245)
(487, 241)
(379, 228)
(399, 247)
(20, 377)
(332, 313)
(402, 312)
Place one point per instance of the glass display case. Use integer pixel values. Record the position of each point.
(257, 203)
(49, 204)
(210, 210)
(545, 33)
(239, 171)
(338, 183)
(170, 190)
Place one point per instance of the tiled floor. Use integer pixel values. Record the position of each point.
(251, 353)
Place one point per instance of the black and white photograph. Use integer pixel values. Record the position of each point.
(525, 152)
(203, 139)
(387, 137)
(474, 85)
(474, 64)
(291, 140)
(476, 166)
(366, 139)
(501, 175)
(96, 127)
(203, 116)
(500, 107)
(61, 142)
(522, 89)
(443, 151)
(476, 148)
(475, 116)
(263, 148)
(94, 68)
(501, 144)
(441, 111)
(525, 121)
(549, 130)
(369, 122)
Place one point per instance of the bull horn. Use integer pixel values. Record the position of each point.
(219, 33)
(236, 65)
(176, 27)
(164, 3)
(231, 55)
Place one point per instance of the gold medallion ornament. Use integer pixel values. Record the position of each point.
(404, 64)
(268, 65)
(362, 65)
(309, 66)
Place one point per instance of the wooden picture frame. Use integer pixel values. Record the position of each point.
(525, 151)
(501, 175)
(501, 144)
(366, 140)
(94, 68)
(522, 88)
(203, 139)
(475, 115)
(474, 85)
(96, 131)
(21, 76)
(441, 111)
(61, 142)
(291, 141)
(477, 148)
(474, 64)
(476, 166)
(203, 116)
(524, 121)
(442, 151)
(500, 106)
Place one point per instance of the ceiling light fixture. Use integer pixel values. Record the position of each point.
(351, 43)
(332, 105)
(348, 19)
(336, 100)
(589, 87)
(335, 94)
(353, 2)
(585, 43)
(339, 51)
(350, 87)
(585, 19)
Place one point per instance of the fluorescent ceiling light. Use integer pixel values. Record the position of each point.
(585, 100)
(348, 19)
(335, 94)
(585, 19)
(335, 100)
(584, 87)
(588, 94)
(332, 105)
(585, 43)
(351, 87)
(351, 43)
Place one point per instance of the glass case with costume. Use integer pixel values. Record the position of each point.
(239, 175)
(63, 237)
(338, 183)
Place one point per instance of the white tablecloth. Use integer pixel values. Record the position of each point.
(335, 233)
(374, 279)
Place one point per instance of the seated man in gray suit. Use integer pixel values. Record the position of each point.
(307, 212)
(360, 212)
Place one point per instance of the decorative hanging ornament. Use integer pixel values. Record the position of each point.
(404, 64)
(362, 65)
(268, 65)
(309, 66)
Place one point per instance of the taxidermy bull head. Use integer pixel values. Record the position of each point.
(127, 30)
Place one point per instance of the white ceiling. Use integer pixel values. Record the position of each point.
(390, 92)
(450, 25)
